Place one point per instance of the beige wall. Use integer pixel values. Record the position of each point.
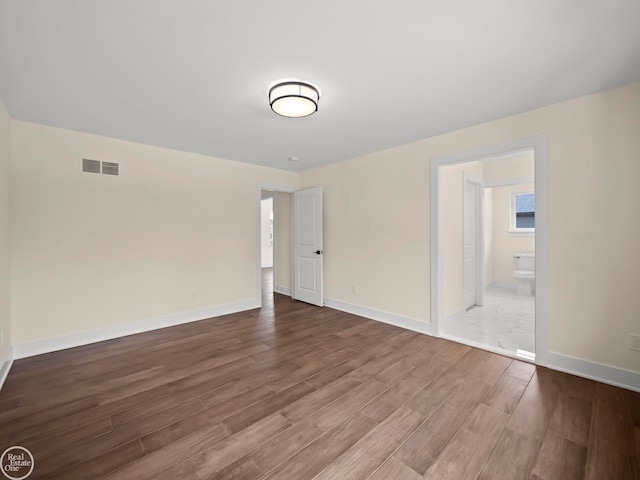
(452, 225)
(377, 221)
(505, 244)
(517, 167)
(5, 250)
(266, 207)
(93, 251)
(282, 239)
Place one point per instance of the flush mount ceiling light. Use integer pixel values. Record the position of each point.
(294, 99)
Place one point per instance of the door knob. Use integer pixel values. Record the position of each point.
(318, 252)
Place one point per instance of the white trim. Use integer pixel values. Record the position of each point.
(63, 342)
(282, 290)
(512, 213)
(595, 371)
(563, 363)
(6, 366)
(508, 182)
(539, 146)
(407, 323)
(503, 156)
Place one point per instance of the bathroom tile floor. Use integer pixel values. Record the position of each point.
(506, 321)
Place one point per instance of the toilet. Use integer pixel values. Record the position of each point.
(525, 273)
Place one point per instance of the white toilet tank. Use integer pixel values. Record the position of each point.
(525, 261)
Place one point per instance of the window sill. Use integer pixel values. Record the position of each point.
(520, 233)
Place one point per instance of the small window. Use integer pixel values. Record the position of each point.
(523, 212)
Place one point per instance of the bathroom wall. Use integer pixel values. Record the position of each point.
(505, 244)
(497, 242)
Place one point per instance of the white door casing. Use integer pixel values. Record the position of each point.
(307, 246)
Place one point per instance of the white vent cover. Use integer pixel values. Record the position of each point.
(110, 168)
(90, 166)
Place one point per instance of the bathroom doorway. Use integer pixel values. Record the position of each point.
(502, 314)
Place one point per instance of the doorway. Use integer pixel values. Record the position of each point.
(458, 312)
(273, 243)
(297, 244)
(267, 245)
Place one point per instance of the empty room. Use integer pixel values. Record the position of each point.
(345, 240)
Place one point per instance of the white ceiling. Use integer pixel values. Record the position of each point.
(193, 75)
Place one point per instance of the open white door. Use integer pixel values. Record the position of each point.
(473, 241)
(307, 246)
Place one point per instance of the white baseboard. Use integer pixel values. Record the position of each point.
(594, 371)
(5, 366)
(381, 316)
(282, 290)
(563, 363)
(63, 342)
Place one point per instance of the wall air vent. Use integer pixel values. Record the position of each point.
(110, 168)
(90, 166)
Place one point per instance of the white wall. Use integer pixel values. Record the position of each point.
(282, 240)
(92, 251)
(377, 221)
(266, 207)
(5, 250)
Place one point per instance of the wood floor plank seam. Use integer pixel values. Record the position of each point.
(294, 391)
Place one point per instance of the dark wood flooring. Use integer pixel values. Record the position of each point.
(292, 391)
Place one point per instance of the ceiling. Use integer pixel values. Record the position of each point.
(193, 75)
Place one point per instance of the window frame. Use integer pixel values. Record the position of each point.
(512, 214)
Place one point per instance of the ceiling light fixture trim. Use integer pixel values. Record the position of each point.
(294, 99)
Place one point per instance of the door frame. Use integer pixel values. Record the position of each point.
(260, 188)
(539, 146)
(479, 230)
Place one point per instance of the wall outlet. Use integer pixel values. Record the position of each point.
(354, 289)
(634, 342)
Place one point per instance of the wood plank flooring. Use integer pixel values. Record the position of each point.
(293, 391)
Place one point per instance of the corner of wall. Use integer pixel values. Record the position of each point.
(6, 353)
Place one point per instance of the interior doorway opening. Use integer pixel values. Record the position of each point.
(505, 238)
(273, 244)
(267, 245)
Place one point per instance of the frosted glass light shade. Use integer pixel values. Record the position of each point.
(294, 99)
